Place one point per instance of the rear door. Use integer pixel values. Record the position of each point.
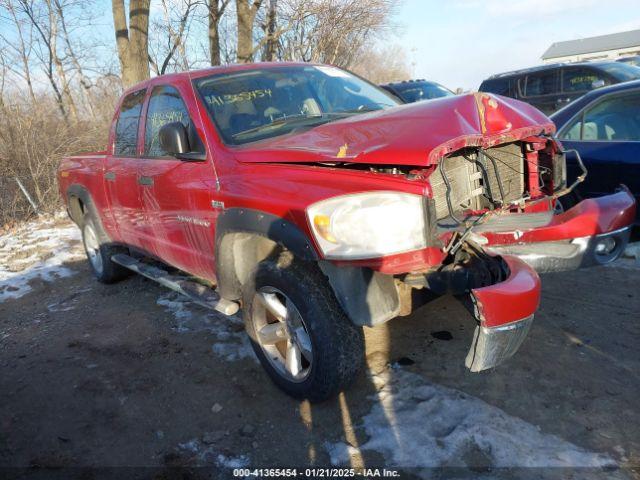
(121, 172)
(607, 136)
(176, 194)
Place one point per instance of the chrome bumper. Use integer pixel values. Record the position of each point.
(571, 254)
(493, 345)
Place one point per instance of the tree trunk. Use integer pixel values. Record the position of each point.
(84, 81)
(215, 14)
(53, 46)
(132, 41)
(24, 58)
(272, 43)
(246, 14)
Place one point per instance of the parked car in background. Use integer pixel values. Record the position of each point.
(633, 60)
(604, 127)
(551, 87)
(416, 90)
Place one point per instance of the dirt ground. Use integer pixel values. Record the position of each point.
(131, 380)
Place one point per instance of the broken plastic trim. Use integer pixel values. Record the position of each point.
(493, 345)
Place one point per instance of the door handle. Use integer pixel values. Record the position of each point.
(146, 181)
(111, 176)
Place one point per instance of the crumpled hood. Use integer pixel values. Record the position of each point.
(418, 134)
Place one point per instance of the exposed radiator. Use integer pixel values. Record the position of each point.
(468, 187)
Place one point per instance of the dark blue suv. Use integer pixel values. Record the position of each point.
(604, 127)
(551, 87)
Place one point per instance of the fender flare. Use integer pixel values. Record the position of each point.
(367, 297)
(255, 222)
(81, 193)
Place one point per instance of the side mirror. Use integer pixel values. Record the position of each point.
(174, 140)
(597, 83)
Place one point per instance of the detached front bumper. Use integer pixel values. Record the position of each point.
(504, 312)
(570, 254)
(594, 232)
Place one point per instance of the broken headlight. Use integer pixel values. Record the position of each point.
(368, 225)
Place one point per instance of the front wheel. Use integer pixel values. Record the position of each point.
(299, 332)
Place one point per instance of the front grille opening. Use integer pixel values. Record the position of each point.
(478, 180)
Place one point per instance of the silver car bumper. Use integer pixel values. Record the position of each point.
(493, 345)
(572, 254)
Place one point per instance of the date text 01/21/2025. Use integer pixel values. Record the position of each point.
(316, 472)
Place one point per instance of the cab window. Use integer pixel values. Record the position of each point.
(127, 125)
(165, 106)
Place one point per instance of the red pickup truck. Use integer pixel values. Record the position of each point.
(317, 203)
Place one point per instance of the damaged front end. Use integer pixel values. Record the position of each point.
(501, 292)
(488, 192)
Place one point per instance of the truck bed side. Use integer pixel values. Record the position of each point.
(81, 184)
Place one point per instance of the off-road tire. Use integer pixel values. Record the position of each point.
(338, 344)
(110, 271)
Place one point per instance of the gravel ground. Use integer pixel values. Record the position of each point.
(132, 380)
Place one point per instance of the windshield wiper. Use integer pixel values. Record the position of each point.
(283, 121)
(367, 107)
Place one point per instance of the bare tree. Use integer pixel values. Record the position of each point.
(21, 49)
(246, 11)
(71, 54)
(167, 45)
(333, 31)
(216, 9)
(132, 40)
(52, 43)
(271, 42)
(44, 42)
(383, 65)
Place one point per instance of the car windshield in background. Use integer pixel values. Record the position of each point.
(622, 71)
(414, 92)
(256, 104)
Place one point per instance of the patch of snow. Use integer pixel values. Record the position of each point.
(37, 250)
(415, 423)
(231, 344)
(209, 455)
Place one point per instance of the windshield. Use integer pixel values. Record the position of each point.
(622, 71)
(261, 103)
(414, 92)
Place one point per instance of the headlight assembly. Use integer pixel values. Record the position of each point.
(368, 225)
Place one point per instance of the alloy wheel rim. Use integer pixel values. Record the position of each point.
(282, 334)
(92, 247)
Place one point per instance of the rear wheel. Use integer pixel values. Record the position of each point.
(99, 254)
(303, 339)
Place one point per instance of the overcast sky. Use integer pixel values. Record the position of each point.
(460, 42)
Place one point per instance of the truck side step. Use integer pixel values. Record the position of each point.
(197, 293)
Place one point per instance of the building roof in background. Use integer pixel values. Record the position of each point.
(593, 44)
